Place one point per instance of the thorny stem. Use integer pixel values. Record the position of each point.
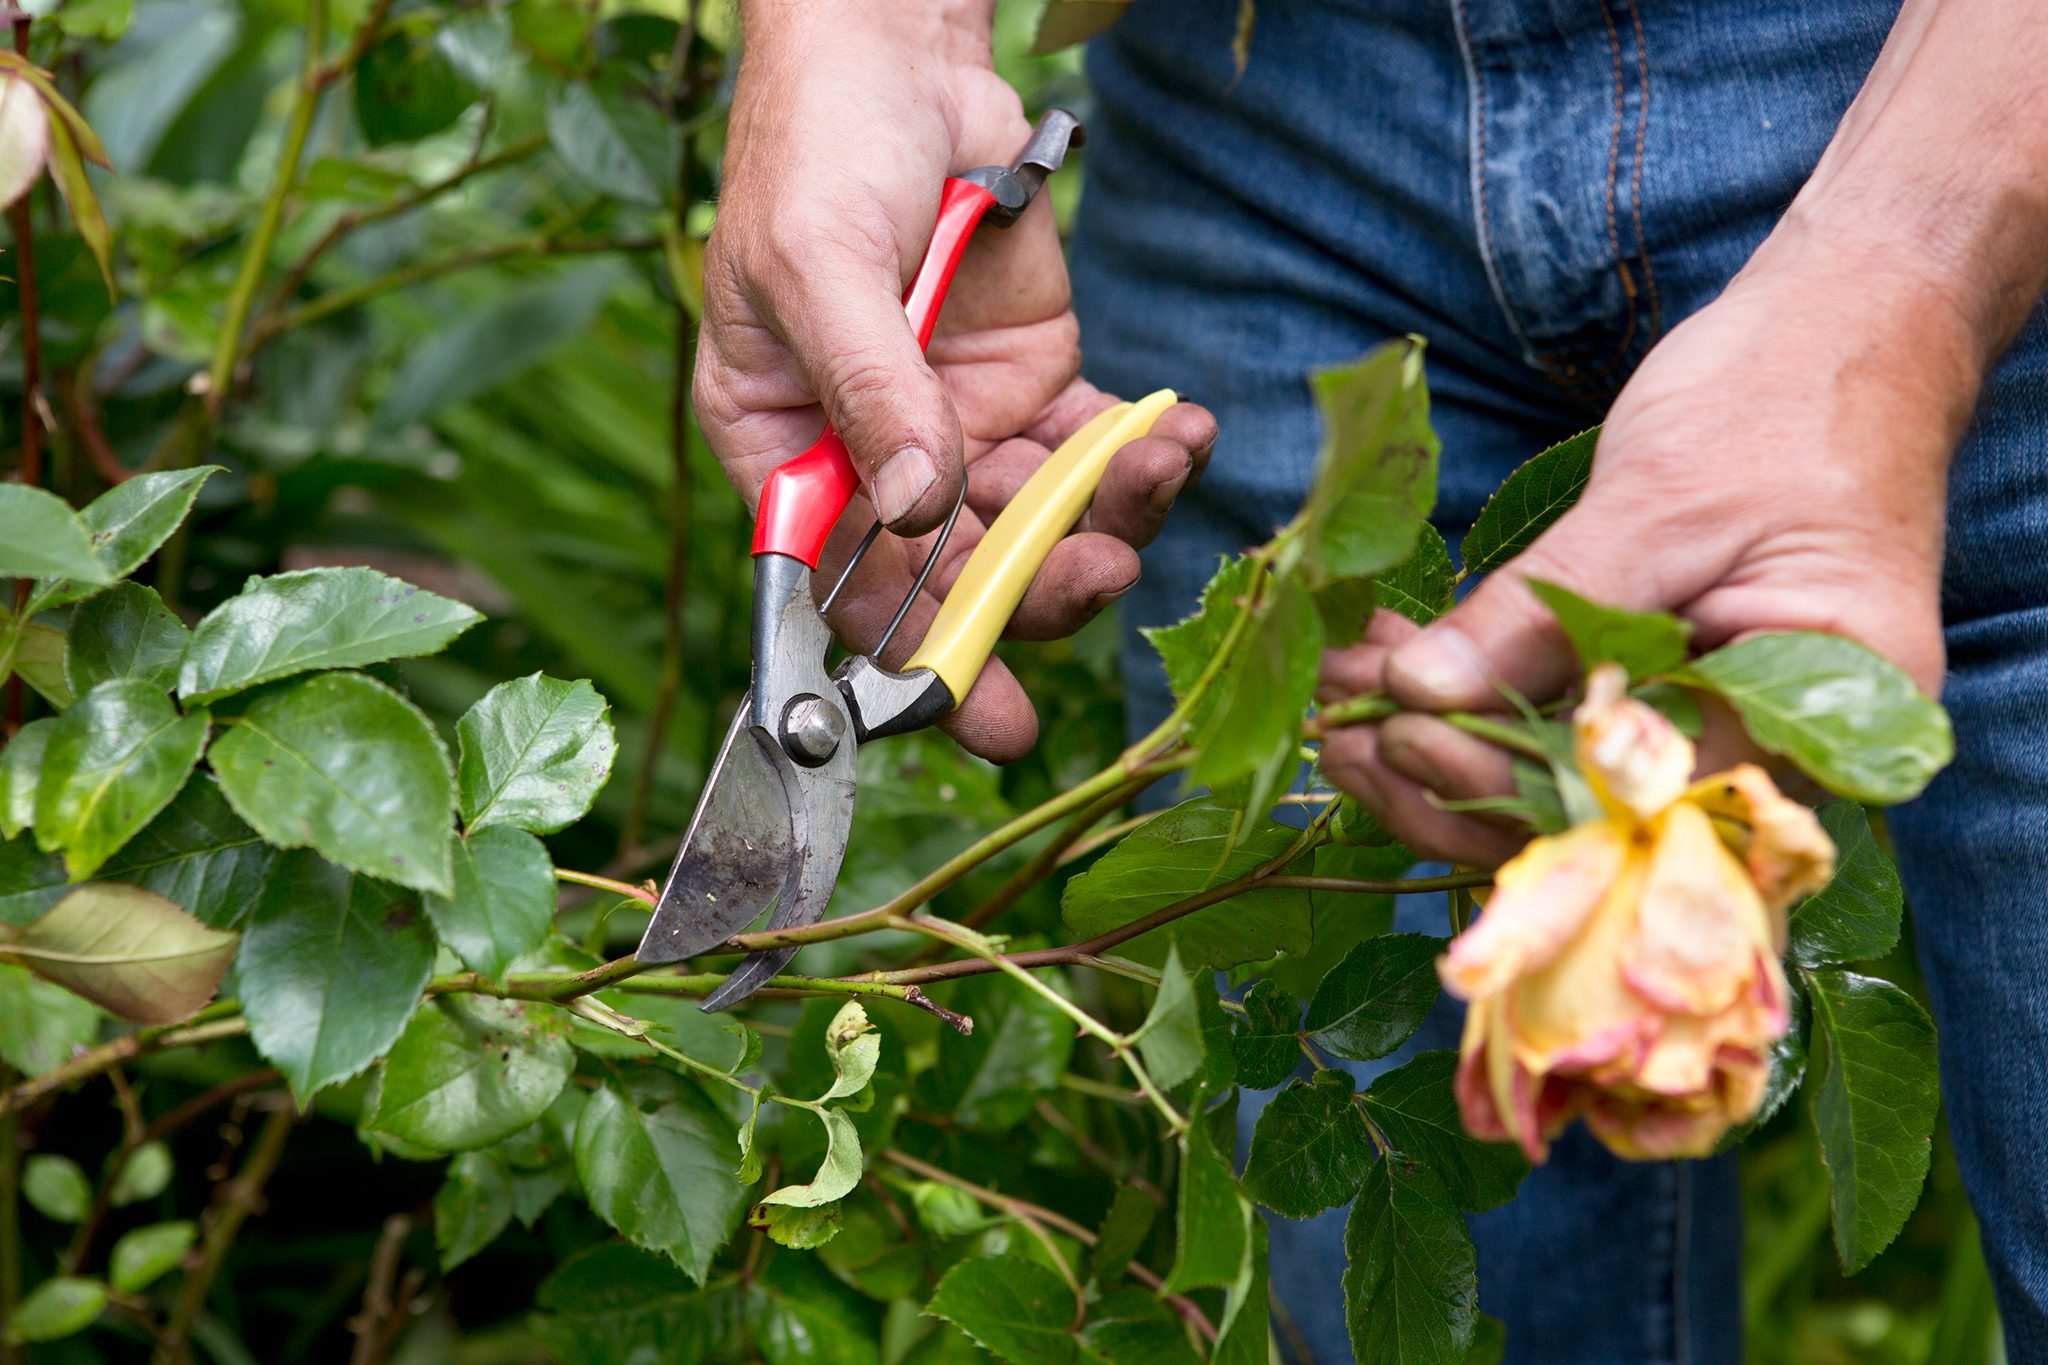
(1025, 1211)
(1083, 1020)
(238, 1200)
(141, 1043)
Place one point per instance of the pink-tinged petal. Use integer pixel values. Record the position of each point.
(1636, 761)
(1771, 997)
(1614, 1051)
(1788, 853)
(1542, 898)
(1701, 923)
(24, 137)
(1476, 1107)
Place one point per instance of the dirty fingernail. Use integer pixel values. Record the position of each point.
(901, 481)
(1442, 664)
(1164, 493)
(1103, 599)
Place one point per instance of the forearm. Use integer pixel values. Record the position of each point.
(952, 30)
(1936, 183)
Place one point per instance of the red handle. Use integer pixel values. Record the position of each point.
(802, 499)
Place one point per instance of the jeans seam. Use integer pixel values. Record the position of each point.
(1635, 15)
(1476, 153)
(1681, 1264)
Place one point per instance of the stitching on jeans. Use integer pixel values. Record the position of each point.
(1635, 15)
(1476, 153)
(1628, 288)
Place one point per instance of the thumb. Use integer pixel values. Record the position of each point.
(841, 315)
(1503, 636)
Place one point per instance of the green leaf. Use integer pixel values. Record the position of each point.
(535, 753)
(1265, 1039)
(1244, 1334)
(1372, 1001)
(799, 1228)
(406, 88)
(1376, 472)
(21, 767)
(1411, 1288)
(837, 1175)
(126, 525)
(1255, 726)
(1419, 587)
(104, 20)
(1123, 1230)
(1874, 1093)
(1489, 1342)
(661, 1172)
(1130, 1327)
(58, 1307)
(468, 1073)
(1345, 608)
(1309, 1148)
(55, 1187)
(1015, 1308)
(316, 618)
(331, 967)
(1170, 1041)
(1018, 1051)
(1642, 642)
(473, 1205)
(1187, 647)
(1177, 855)
(112, 762)
(504, 901)
(67, 169)
(41, 1024)
(801, 1315)
(1213, 1219)
(39, 654)
(614, 141)
(127, 950)
(1339, 920)
(613, 1305)
(124, 632)
(146, 1254)
(199, 854)
(30, 882)
(1535, 495)
(40, 535)
(1415, 1106)
(855, 1048)
(1856, 915)
(144, 1175)
(1851, 719)
(343, 764)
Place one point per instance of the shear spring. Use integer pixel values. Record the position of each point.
(930, 562)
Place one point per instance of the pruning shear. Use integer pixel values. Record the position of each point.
(771, 828)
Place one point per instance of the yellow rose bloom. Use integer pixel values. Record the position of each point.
(1627, 970)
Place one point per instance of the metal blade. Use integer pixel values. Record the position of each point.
(743, 853)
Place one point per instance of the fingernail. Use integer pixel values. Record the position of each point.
(1441, 665)
(1103, 599)
(1412, 760)
(901, 481)
(1164, 494)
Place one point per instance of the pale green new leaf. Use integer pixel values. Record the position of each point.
(39, 655)
(313, 619)
(125, 949)
(343, 764)
(144, 1175)
(146, 1254)
(1642, 642)
(839, 1173)
(331, 967)
(56, 1187)
(58, 1307)
(111, 763)
(535, 752)
(1375, 478)
(1170, 1041)
(469, 1072)
(21, 768)
(41, 1024)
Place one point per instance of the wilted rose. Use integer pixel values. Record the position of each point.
(1627, 970)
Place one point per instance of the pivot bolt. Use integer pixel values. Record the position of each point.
(812, 729)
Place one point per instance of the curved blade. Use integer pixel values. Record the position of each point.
(823, 827)
(743, 853)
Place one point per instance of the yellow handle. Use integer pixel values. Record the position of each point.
(1003, 565)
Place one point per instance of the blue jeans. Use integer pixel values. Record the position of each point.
(1543, 190)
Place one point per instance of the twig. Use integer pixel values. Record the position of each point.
(1025, 1211)
(627, 889)
(366, 33)
(236, 1202)
(81, 410)
(560, 989)
(1356, 711)
(141, 1043)
(1051, 856)
(384, 1312)
(169, 1122)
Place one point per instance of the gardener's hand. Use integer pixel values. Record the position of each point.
(1777, 463)
(846, 121)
